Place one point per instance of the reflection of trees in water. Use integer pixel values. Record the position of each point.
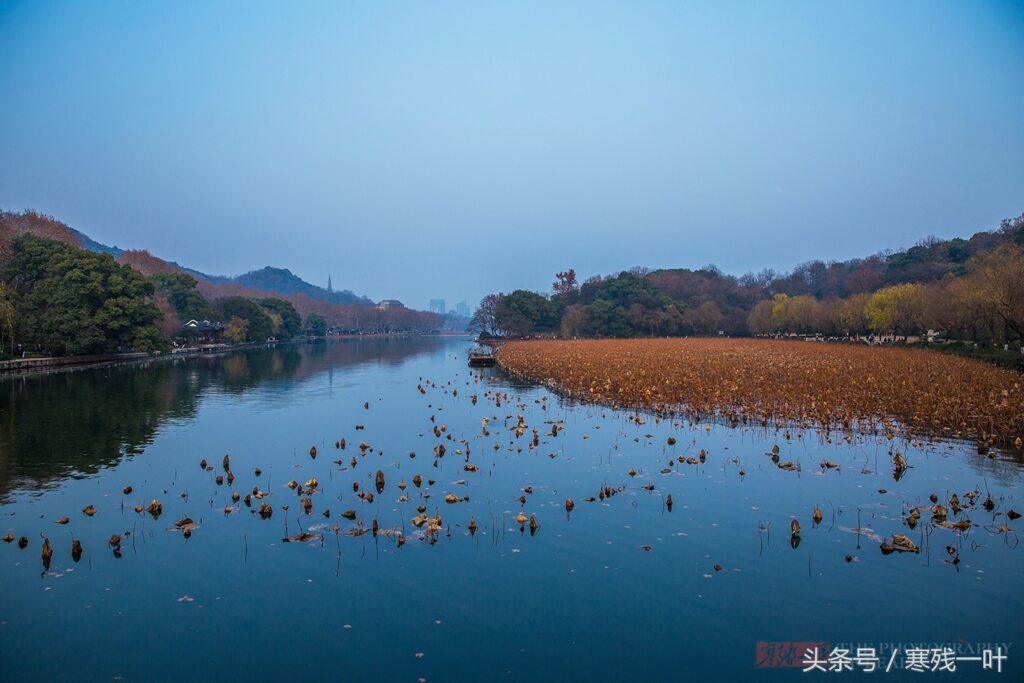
(54, 424)
(61, 424)
(1004, 469)
(243, 370)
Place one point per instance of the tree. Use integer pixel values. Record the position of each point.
(895, 309)
(7, 312)
(236, 330)
(170, 324)
(149, 339)
(780, 302)
(969, 286)
(760, 319)
(606, 319)
(636, 306)
(316, 325)
(75, 301)
(180, 290)
(999, 280)
(485, 316)
(970, 313)
(665, 321)
(574, 321)
(565, 283)
(259, 328)
(1012, 229)
(523, 312)
(850, 318)
(803, 314)
(285, 320)
(705, 319)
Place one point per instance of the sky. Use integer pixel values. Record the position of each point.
(426, 150)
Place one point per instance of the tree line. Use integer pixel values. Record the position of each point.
(59, 299)
(56, 298)
(76, 296)
(346, 318)
(963, 289)
(986, 303)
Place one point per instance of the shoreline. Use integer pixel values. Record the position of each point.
(19, 367)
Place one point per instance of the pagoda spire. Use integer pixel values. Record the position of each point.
(330, 289)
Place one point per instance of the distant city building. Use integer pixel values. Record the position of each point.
(390, 303)
(437, 306)
(462, 308)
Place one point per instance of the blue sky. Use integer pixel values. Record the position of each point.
(420, 150)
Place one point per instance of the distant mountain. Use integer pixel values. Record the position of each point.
(268, 278)
(216, 279)
(342, 310)
(285, 281)
(92, 245)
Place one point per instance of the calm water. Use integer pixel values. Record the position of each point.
(619, 589)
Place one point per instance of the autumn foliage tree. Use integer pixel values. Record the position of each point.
(970, 289)
(998, 283)
(236, 330)
(7, 315)
(285, 320)
(258, 326)
(565, 282)
(896, 309)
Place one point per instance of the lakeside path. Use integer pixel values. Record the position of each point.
(23, 366)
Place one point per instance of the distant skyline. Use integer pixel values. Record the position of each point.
(413, 151)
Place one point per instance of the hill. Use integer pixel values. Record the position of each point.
(283, 281)
(342, 310)
(266, 279)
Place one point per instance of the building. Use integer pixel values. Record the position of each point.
(202, 331)
(390, 303)
(437, 306)
(462, 308)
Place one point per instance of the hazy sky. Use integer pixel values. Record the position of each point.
(418, 150)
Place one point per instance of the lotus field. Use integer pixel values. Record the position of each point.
(834, 387)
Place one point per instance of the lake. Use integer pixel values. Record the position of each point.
(619, 588)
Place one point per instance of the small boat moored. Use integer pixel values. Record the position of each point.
(481, 359)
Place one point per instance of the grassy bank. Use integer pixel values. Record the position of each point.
(1012, 360)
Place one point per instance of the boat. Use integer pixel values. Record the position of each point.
(481, 359)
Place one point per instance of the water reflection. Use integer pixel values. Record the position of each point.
(636, 577)
(63, 424)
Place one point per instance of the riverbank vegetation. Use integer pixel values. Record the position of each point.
(969, 289)
(71, 301)
(346, 318)
(58, 298)
(846, 388)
